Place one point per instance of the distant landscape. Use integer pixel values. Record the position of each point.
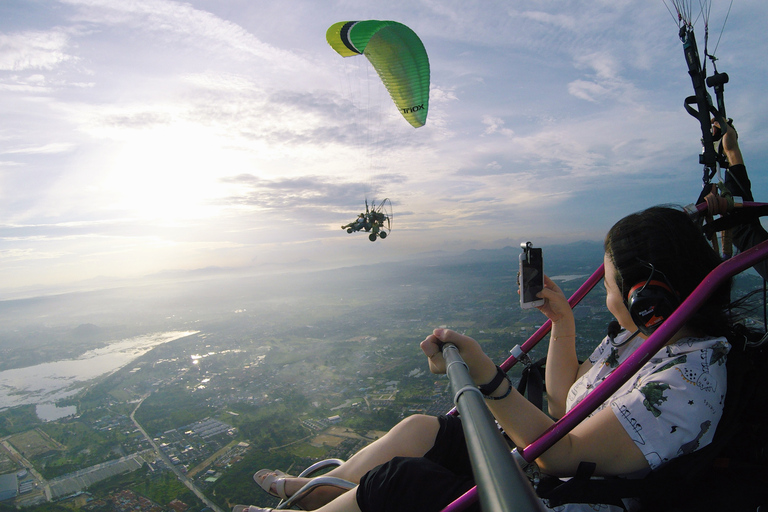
(276, 371)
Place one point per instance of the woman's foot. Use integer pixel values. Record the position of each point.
(280, 485)
(272, 481)
(250, 508)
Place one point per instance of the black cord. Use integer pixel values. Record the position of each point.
(614, 329)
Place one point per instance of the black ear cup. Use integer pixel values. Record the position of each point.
(650, 303)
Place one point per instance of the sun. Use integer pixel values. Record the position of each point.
(173, 173)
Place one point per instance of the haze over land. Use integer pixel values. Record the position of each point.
(275, 371)
(268, 360)
(363, 300)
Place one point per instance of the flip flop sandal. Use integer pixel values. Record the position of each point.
(266, 477)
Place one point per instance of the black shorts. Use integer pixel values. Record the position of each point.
(421, 484)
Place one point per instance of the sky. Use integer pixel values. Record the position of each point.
(143, 137)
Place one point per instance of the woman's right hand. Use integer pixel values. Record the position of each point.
(481, 367)
(555, 305)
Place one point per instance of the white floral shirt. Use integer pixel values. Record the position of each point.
(671, 406)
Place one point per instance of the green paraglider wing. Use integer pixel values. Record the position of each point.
(398, 56)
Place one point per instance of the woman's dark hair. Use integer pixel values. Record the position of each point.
(666, 239)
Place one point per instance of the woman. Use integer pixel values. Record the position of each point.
(670, 407)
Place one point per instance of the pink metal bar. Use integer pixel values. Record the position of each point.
(463, 502)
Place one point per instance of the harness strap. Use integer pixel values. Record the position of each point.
(735, 218)
(531, 383)
(582, 488)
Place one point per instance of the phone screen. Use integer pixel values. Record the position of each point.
(531, 275)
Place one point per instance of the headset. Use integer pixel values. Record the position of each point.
(652, 301)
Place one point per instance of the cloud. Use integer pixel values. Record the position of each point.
(25, 255)
(14, 232)
(495, 125)
(189, 25)
(53, 148)
(441, 95)
(559, 21)
(291, 195)
(604, 71)
(36, 50)
(585, 90)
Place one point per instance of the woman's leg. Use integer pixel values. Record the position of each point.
(345, 503)
(412, 437)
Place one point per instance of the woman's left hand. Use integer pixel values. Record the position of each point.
(481, 367)
(555, 305)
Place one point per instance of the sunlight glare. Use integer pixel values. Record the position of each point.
(173, 173)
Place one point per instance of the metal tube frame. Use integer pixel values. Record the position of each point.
(501, 483)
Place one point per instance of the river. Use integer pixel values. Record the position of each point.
(45, 383)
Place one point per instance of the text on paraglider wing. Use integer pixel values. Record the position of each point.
(415, 108)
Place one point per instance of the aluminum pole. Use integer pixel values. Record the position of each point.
(502, 486)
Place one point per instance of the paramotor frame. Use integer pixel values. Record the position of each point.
(377, 220)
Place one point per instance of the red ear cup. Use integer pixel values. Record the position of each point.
(650, 303)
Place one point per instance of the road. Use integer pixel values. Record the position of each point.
(181, 476)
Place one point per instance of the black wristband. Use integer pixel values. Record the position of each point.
(505, 395)
(492, 386)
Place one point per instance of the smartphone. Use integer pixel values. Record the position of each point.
(531, 277)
